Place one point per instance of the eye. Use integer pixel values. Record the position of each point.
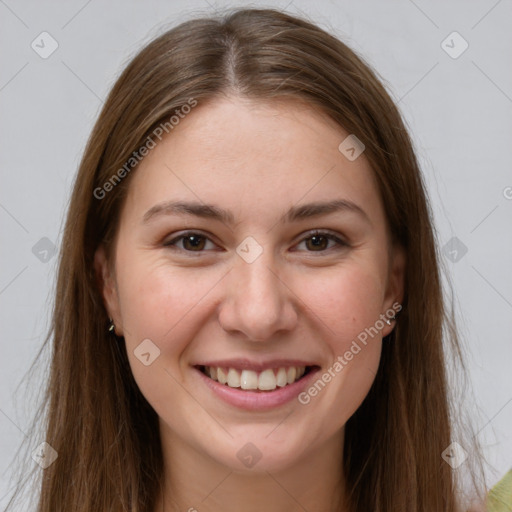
(190, 242)
(318, 241)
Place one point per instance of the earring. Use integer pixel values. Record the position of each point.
(390, 319)
(111, 326)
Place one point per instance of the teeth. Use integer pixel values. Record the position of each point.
(281, 379)
(233, 378)
(249, 380)
(222, 376)
(267, 380)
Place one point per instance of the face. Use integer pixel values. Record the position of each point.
(250, 249)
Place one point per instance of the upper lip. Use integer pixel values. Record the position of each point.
(257, 366)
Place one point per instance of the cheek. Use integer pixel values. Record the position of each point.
(348, 301)
(161, 303)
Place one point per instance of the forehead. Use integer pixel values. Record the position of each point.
(255, 158)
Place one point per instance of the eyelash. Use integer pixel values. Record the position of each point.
(341, 244)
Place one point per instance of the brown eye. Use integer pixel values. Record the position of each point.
(193, 242)
(317, 242)
(190, 242)
(322, 242)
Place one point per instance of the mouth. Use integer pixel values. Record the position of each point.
(265, 381)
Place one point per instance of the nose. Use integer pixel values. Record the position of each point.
(258, 303)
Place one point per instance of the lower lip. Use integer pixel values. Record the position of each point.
(254, 400)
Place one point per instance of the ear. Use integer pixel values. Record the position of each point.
(395, 290)
(108, 288)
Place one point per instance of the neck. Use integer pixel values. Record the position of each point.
(194, 482)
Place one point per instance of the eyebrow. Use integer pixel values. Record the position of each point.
(294, 214)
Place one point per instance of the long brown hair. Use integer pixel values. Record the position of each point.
(103, 429)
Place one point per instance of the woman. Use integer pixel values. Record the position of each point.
(249, 312)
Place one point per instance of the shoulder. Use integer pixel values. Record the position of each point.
(499, 498)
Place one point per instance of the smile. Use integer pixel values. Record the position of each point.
(255, 385)
(267, 380)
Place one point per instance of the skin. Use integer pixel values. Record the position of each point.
(294, 301)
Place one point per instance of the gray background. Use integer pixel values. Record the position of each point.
(458, 110)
